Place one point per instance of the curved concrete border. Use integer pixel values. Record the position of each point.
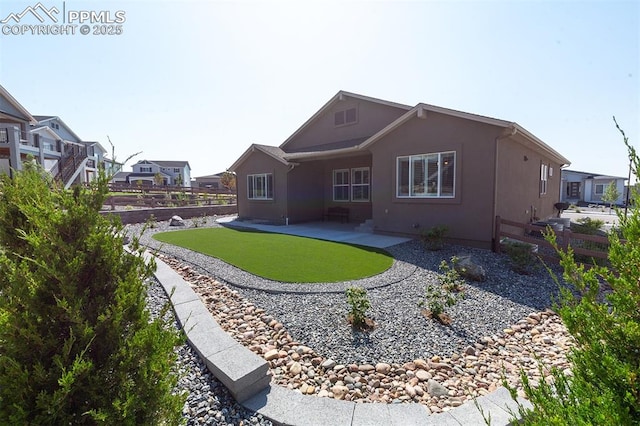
(246, 376)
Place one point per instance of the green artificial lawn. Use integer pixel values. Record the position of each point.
(281, 257)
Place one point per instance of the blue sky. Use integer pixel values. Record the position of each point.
(202, 80)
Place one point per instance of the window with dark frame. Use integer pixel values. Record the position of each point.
(344, 117)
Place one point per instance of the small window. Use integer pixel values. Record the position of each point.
(544, 178)
(176, 170)
(348, 116)
(145, 169)
(600, 188)
(260, 186)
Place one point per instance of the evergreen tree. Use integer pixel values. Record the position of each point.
(604, 385)
(77, 345)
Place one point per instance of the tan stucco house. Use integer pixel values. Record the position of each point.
(402, 170)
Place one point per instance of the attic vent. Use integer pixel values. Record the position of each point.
(345, 117)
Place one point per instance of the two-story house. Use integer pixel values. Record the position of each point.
(402, 169)
(48, 141)
(146, 172)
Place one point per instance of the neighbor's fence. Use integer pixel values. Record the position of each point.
(584, 246)
(124, 195)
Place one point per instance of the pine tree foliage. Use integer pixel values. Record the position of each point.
(601, 310)
(77, 345)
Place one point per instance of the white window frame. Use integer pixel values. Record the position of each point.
(595, 188)
(363, 182)
(344, 173)
(422, 191)
(544, 178)
(262, 180)
(145, 169)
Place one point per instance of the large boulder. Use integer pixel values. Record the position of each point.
(176, 221)
(469, 269)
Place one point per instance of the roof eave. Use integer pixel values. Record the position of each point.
(18, 106)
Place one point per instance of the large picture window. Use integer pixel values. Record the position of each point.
(341, 185)
(260, 187)
(426, 175)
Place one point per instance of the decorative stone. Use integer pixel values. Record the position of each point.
(469, 269)
(339, 392)
(423, 375)
(383, 368)
(271, 355)
(436, 389)
(328, 364)
(176, 221)
(295, 369)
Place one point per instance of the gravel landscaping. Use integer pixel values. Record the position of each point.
(498, 322)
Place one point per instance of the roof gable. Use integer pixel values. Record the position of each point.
(10, 106)
(48, 119)
(341, 96)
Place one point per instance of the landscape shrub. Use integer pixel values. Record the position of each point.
(358, 306)
(600, 308)
(523, 259)
(446, 293)
(77, 344)
(433, 238)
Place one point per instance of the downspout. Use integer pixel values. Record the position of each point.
(286, 213)
(511, 132)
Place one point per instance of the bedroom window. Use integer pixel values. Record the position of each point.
(426, 175)
(260, 186)
(344, 117)
(360, 184)
(145, 169)
(544, 178)
(341, 185)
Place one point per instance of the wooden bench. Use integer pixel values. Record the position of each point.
(341, 213)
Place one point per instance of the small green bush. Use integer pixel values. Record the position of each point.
(523, 260)
(433, 238)
(446, 293)
(77, 344)
(358, 305)
(587, 225)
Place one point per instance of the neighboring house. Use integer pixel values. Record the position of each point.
(587, 188)
(175, 173)
(402, 170)
(209, 181)
(86, 156)
(46, 139)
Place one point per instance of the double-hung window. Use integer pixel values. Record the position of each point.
(360, 184)
(260, 186)
(426, 175)
(341, 185)
(544, 178)
(351, 184)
